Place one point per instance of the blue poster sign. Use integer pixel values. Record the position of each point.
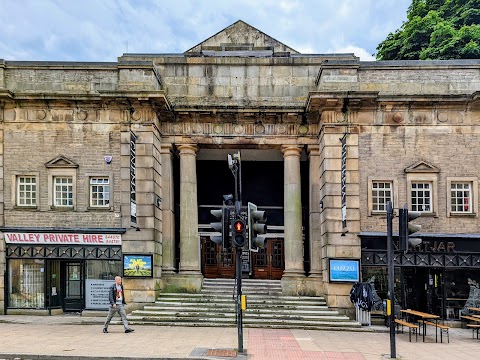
(344, 270)
(137, 265)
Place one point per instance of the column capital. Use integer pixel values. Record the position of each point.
(166, 149)
(187, 149)
(292, 150)
(313, 150)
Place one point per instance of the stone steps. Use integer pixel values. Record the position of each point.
(266, 307)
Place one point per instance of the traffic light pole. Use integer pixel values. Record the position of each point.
(391, 279)
(236, 168)
(238, 276)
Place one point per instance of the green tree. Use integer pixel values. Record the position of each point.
(435, 29)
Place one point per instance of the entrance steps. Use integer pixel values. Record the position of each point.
(266, 308)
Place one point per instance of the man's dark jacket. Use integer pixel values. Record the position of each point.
(112, 294)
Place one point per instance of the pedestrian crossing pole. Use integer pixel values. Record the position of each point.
(391, 279)
(235, 165)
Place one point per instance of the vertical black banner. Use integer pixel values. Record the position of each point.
(344, 180)
(133, 203)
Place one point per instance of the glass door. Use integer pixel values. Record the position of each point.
(73, 294)
(53, 284)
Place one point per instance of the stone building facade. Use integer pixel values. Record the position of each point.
(104, 160)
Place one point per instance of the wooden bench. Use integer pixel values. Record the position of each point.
(410, 328)
(474, 327)
(443, 328)
(467, 317)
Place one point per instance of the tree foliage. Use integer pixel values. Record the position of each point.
(435, 29)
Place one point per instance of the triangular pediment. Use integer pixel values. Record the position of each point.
(422, 167)
(61, 162)
(243, 37)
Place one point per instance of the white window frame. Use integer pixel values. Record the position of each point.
(59, 183)
(15, 198)
(473, 182)
(90, 191)
(394, 193)
(430, 178)
(62, 173)
(424, 203)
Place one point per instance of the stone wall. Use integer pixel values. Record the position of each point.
(29, 145)
(237, 82)
(386, 151)
(77, 78)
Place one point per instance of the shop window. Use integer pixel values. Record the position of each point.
(26, 286)
(380, 192)
(422, 188)
(104, 269)
(99, 192)
(460, 291)
(100, 276)
(26, 191)
(461, 196)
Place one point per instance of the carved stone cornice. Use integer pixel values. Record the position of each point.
(238, 129)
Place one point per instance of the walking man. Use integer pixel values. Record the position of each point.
(117, 301)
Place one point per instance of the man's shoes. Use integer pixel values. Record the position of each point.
(105, 330)
(129, 330)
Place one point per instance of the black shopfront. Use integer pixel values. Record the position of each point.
(439, 276)
(63, 270)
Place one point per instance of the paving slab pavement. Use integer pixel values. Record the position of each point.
(68, 337)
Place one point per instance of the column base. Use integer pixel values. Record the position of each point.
(294, 284)
(168, 272)
(315, 274)
(187, 281)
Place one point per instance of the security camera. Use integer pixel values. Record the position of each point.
(108, 159)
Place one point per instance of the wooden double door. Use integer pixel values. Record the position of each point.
(268, 263)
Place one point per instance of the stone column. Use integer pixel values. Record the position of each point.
(189, 238)
(314, 212)
(168, 215)
(292, 212)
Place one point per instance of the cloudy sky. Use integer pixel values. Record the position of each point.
(94, 30)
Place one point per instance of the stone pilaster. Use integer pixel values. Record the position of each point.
(168, 216)
(293, 220)
(146, 235)
(315, 235)
(2, 215)
(189, 238)
(2, 74)
(338, 242)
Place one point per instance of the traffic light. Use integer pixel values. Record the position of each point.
(406, 229)
(256, 227)
(239, 233)
(221, 227)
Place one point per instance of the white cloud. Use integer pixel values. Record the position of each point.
(91, 30)
(363, 54)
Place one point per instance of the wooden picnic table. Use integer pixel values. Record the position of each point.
(424, 316)
(474, 326)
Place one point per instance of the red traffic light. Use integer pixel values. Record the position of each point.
(238, 226)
